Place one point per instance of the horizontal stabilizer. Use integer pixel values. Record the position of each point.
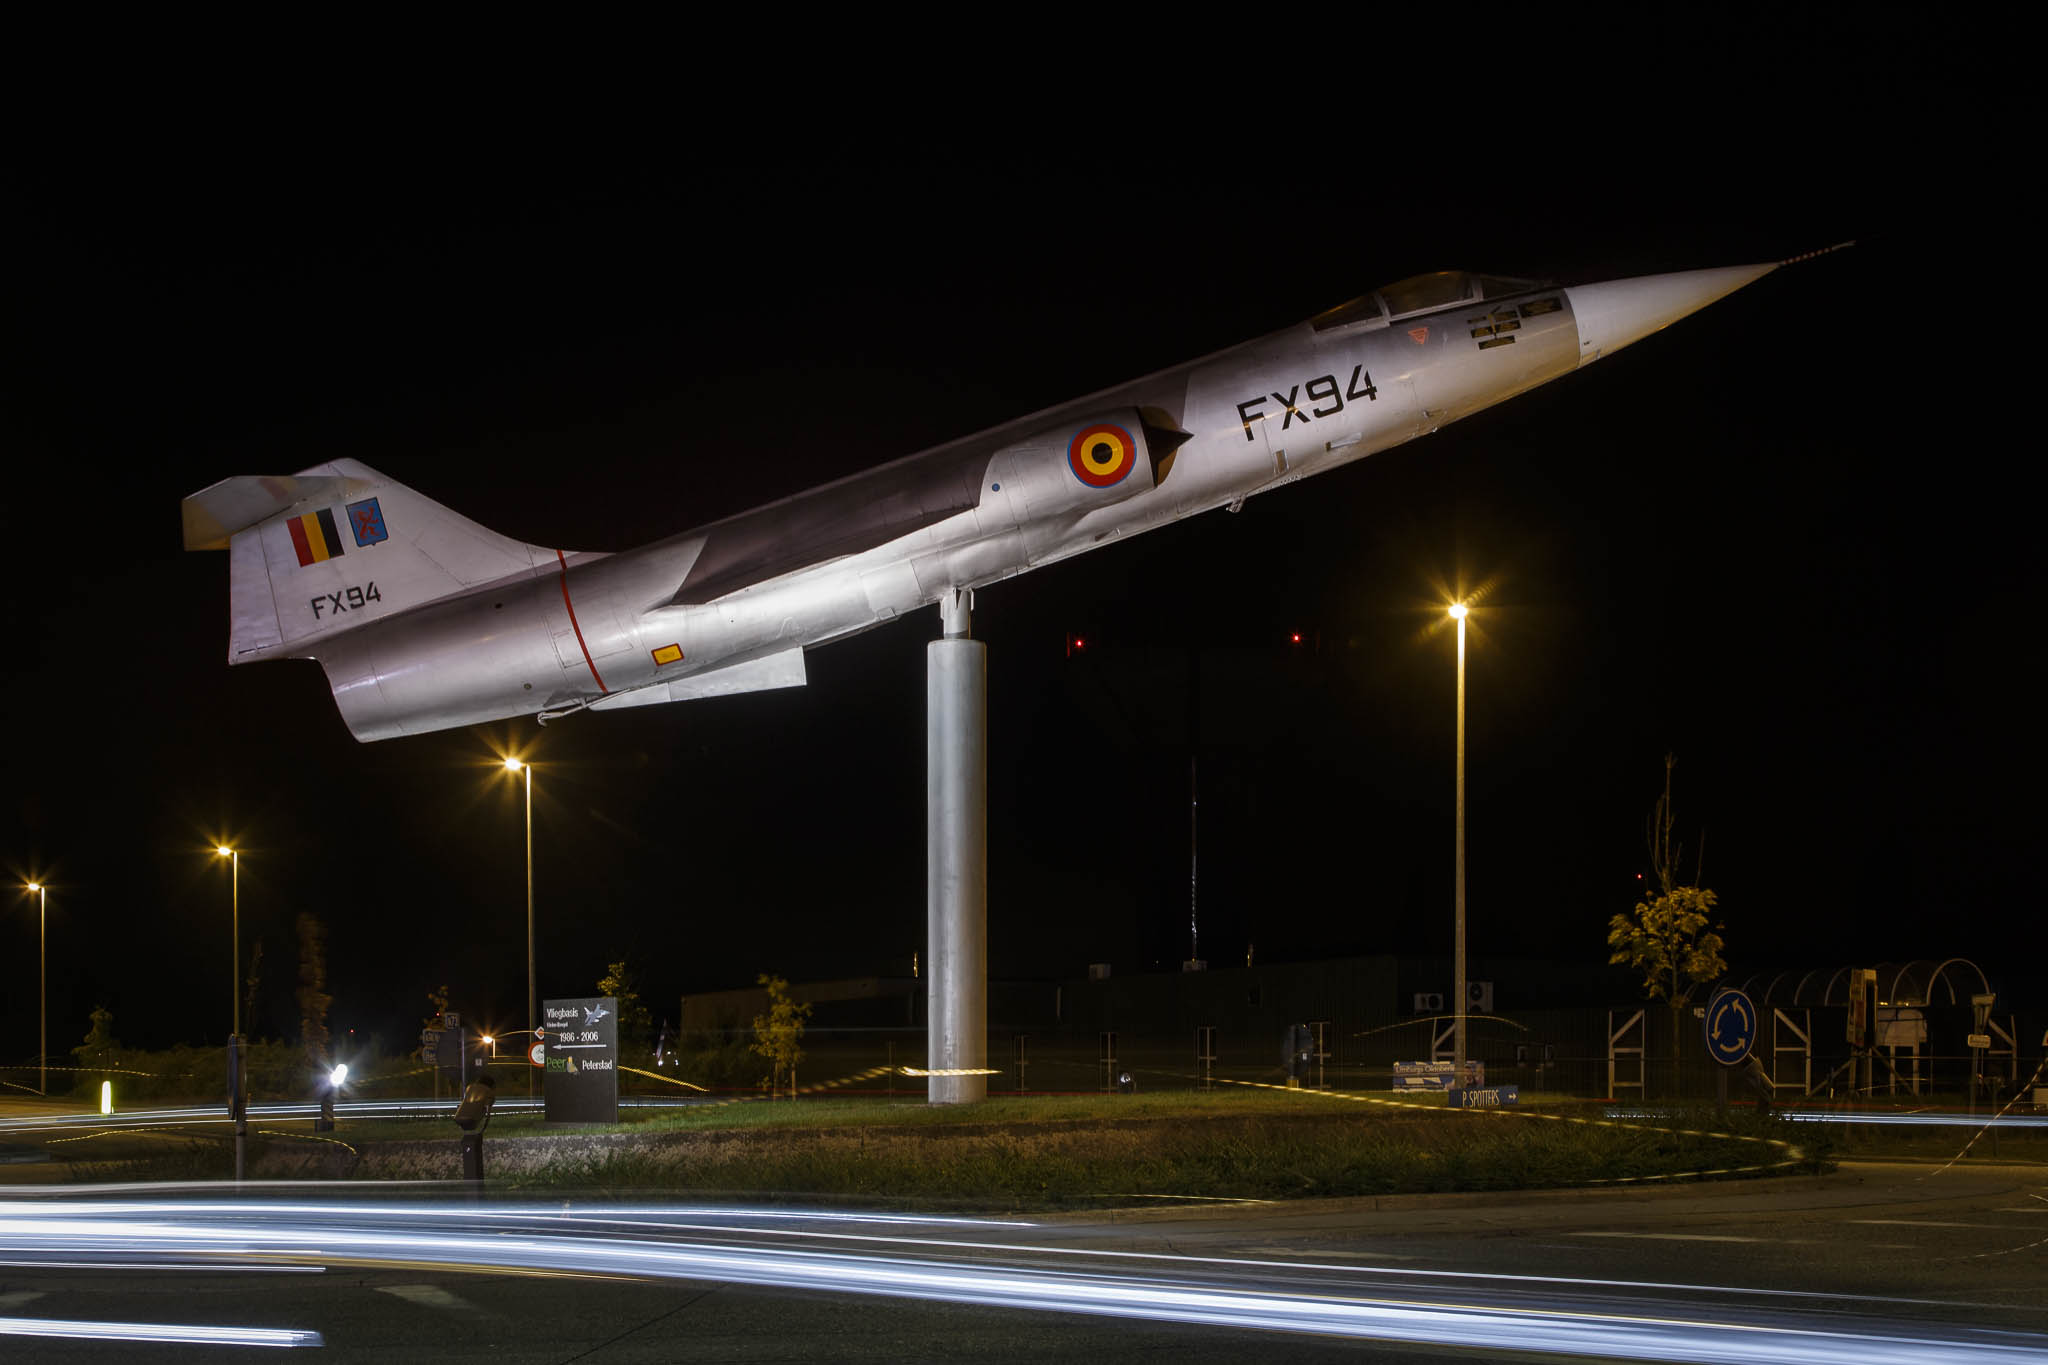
(214, 514)
(756, 675)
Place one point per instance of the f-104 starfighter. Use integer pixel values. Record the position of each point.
(424, 620)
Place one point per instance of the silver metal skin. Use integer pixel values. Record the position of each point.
(956, 859)
(424, 620)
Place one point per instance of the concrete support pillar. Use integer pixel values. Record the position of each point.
(956, 857)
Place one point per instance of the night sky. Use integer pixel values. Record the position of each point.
(1786, 540)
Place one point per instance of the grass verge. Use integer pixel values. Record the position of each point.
(1010, 1154)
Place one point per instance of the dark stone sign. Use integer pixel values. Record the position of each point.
(580, 1060)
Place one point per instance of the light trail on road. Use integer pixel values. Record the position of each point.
(1924, 1118)
(937, 1259)
(180, 1116)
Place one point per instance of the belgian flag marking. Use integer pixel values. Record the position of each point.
(1102, 455)
(314, 536)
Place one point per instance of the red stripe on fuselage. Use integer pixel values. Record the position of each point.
(591, 663)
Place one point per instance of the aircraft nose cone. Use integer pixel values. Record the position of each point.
(1614, 313)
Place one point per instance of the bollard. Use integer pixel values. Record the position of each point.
(473, 1116)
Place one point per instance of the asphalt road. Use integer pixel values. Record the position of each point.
(1877, 1262)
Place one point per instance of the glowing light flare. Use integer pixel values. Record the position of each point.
(1458, 610)
(338, 1075)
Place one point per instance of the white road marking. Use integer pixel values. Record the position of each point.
(1916, 1223)
(1674, 1236)
(1323, 1253)
(429, 1296)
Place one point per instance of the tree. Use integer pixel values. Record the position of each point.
(1669, 941)
(313, 996)
(778, 1034)
(1672, 938)
(101, 1047)
(438, 998)
(633, 1020)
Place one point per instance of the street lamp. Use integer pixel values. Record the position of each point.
(513, 765)
(237, 1108)
(1458, 948)
(42, 987)
(234, 934)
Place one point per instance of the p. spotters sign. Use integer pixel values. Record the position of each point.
(580, 1060)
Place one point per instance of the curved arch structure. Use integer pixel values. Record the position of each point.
(1921, 981)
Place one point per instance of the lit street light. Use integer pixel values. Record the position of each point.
(42, 987)
(236, 1107)
(513, 765)
(1458, 948)
(234, 935)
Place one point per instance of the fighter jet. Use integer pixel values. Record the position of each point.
(424, 620)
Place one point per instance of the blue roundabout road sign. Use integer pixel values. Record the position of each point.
(1730, 1027)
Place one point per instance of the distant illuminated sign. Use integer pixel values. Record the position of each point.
(579, 1061)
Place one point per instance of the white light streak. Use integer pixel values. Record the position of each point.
(158, 1332)
(1526, 1313)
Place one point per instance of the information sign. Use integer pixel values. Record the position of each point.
(580, 1067)
(1435, 1075)
(1465, 1097)
(1730, 1027)
(1979, 1040)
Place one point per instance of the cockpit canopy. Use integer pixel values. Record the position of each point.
(1422, 294)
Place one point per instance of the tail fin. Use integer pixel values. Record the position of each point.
(338, 545)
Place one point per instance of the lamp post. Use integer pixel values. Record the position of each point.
(513, 765)
(1458, 942)
(237, 1108)
(234, 858)
(42, 987)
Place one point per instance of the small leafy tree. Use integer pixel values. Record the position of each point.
(1672, 938)
(313, 996)
(438, 998)
(1670, 941)
(778, 1034)
(101, 1047)
(634, 1022)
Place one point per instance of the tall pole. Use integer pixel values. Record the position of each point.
(514, 765)
(234, 940)
(532, 995)
(239, 1085)
(956, 857)
(1458, 949)
(42, 987)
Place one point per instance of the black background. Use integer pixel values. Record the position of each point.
(1789, 540)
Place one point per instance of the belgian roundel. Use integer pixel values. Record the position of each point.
(1102, 455)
